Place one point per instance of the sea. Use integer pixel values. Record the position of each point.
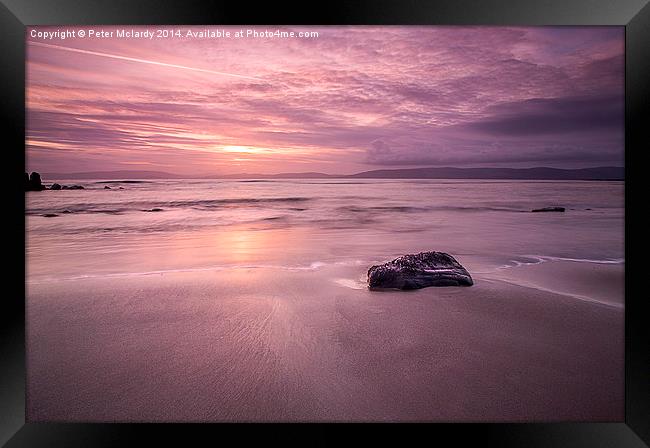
(142, 227)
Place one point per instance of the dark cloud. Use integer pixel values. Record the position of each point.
(553, 116)
(491, 155)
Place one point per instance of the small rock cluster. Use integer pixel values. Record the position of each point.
(33, 182)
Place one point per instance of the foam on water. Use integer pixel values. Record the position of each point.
(313, 266)
(528, 260)
(351, 283)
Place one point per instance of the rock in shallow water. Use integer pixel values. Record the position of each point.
(33, 182)
(419, 271)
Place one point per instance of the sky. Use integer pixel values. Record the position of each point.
(350, 100)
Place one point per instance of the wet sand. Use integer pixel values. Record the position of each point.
(315, 345)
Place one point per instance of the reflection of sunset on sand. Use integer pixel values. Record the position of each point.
(236, 245)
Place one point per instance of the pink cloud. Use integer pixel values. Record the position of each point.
(353, 98)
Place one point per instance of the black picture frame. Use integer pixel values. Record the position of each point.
(634, 431)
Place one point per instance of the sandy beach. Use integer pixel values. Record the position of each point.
(209, 346)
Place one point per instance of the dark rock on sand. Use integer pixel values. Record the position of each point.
(106, 187)
(55, 187)
(549, 209)
(154, 210)
(34, 182)
(50, 215)
(419, 271)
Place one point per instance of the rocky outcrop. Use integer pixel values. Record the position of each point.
(548, 209)
(33, 182)
(419, 271)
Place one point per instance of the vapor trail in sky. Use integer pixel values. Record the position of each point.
(142, 61)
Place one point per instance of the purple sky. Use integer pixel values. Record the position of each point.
(352, 99)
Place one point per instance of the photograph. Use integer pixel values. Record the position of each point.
(350, 223)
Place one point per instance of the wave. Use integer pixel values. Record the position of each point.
(587, 260)
(124, 182)
(351, 283)
(355, 207)
(315, 265)
(413, 209)
(149, 205)
(396, 208)
(220, 202)
(77, 209)
(528, 260)
(254, 181)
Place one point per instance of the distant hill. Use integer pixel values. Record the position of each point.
(539, 173)
(303, 176)
(309, 175)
